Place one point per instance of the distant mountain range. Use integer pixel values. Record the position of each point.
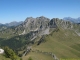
(74, 20)
(0, 23)
(14, 23)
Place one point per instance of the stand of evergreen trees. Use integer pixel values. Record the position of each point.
(9, 53)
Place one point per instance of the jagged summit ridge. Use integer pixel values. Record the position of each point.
(42, 26)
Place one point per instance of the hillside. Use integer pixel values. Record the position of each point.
(62, 43)
(3, 58)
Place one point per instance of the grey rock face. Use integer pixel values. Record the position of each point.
(43, 25)
(34, 24)
(55, 22)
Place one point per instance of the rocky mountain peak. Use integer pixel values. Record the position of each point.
(43, 18)
(29, 19)
(56, 22)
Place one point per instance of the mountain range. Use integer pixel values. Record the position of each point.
(74, 20)
(14, 23)
(42, 37)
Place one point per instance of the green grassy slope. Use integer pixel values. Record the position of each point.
(3, 58)
(38, 56)
(63, 43)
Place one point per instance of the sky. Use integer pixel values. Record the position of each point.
(19, 10)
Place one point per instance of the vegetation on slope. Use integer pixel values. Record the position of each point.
(9, 53)
(2, 57)
(63, 43)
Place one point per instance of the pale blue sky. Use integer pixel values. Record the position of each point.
(19, 10)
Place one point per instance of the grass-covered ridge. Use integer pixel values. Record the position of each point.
(63, 43)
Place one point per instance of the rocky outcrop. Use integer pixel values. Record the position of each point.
(56, 23)
(1, 51)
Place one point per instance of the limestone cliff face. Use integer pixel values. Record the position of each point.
(43, 25)
(59, 23)
(36, 24)
(55, 22)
